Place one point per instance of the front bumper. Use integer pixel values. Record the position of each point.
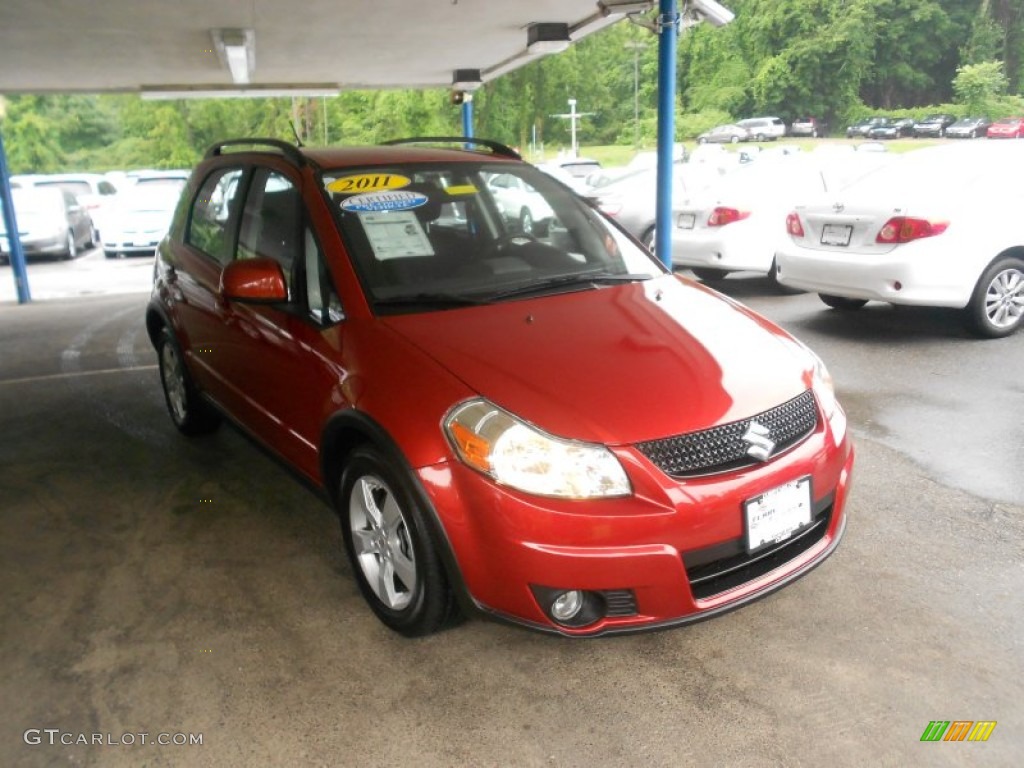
(672, 553)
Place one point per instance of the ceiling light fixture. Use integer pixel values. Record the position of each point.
(547, 37)
(466, 79)
(608, 7)
(237, 51)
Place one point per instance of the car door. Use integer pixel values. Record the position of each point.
(195, 265)
(281, 360)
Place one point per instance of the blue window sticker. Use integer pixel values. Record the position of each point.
(392, 200)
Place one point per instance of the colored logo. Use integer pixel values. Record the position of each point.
(399, 200)
(958, 730)
(368, 182)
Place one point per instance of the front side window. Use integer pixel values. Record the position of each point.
(437, 236)
(214, 211)
(272, 222)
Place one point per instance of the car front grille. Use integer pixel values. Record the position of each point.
(722, 448)
(722, 567)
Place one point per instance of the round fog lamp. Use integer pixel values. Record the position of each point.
(567, 605)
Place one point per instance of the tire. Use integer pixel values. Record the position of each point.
(709, 275)
(71, 248)
(996, 308)
(190, 413)
(94, 237)
(648, 239)
(814, 133)
(525, 222)
(389, 544)
(702, 140)
(734, 140)
(842, 302)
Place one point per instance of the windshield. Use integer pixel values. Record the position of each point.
(437, 236)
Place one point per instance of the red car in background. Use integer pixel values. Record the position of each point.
(546, 427)
(1006, 128)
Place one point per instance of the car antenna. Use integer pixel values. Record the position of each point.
(298, 141)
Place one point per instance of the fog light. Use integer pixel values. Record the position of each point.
(567, 606)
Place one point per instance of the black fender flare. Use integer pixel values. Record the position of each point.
(348, 429)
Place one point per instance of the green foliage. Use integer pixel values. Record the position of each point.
(977, 86)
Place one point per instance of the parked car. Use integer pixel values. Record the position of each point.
(520, 204)
(807, 126)
(763, 128)
(139, 220)
(736, 224)
(92, 190)
(495, 416)
(861, 128)
(968, 128)
(51, 222)
(1006, 128)
(891, 129)
(933, 126)
(939, 228)
(724, 134)
(150, 178)
(572, 171)
(632, 200)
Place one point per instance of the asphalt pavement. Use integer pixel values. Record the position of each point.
(173, 587)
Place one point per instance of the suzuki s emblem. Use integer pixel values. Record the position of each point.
(838, 207)
(761, 445)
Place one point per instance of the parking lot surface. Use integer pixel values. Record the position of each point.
(159, 585)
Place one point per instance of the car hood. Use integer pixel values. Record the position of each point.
(617, 365)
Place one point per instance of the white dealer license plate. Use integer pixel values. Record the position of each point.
(777, 514)
(836, 234)
(685, 221)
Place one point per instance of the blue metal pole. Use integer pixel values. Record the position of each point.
(17, 255)
(467, 116)
(668, 31)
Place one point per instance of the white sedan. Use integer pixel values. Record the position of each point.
(737, 223)
(941, 227)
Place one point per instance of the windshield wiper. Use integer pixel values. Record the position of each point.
(436, 300)
(568, 281)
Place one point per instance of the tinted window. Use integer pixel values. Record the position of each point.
(214, 212)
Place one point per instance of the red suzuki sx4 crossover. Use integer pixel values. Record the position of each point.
(514, 408)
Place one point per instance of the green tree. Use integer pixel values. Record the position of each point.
(978, 85)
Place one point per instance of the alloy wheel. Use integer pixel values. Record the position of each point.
(1004, 298)
(381, 542)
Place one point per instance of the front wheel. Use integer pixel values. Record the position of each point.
(997, 306)
(735, 139)
(393, 556)
(190, 413)
(841, 302)
(649, 238)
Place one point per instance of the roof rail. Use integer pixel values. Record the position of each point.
(496, 147)
(288, 150)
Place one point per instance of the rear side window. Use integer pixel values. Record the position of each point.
(214, 211)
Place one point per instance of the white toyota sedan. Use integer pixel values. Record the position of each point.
(942, 227)
(736, 224)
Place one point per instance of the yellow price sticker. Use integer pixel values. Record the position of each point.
(461, 189)
(368, 182)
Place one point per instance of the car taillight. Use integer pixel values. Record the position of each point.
(903, 229)
(722, 216)
(610, 206)
(794, 226)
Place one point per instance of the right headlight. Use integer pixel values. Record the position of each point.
(514, 453)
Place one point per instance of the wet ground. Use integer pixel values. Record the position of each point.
(158, 585)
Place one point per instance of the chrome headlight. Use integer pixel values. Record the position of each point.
(516, 454)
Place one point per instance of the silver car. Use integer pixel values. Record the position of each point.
(51, 221)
